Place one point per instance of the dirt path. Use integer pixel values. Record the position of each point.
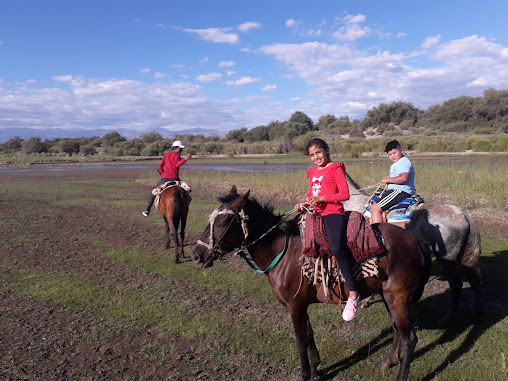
(41, 340)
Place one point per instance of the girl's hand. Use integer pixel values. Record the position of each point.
(302, 206)
(313, 200)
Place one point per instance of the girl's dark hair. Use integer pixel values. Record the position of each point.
(316, 142)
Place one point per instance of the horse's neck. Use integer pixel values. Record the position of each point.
(357, 200)
(267, 249)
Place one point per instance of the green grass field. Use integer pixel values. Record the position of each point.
(80, 245)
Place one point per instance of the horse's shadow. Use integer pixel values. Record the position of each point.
(427, 312)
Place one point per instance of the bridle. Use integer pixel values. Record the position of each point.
(240, 216)
(214, 246)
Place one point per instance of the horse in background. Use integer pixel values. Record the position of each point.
(174, 206)
(451, 235)
(275, 247)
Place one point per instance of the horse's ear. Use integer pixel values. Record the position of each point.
(244, 198)
(233, 190)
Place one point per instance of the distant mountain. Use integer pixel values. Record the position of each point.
(26, 133)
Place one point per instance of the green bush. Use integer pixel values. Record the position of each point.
(482, 146)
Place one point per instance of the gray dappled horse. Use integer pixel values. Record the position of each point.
(451, 235)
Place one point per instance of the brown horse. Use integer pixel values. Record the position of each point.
(275, 247)
(174, 206)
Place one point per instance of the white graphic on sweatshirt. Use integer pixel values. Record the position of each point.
(316, 185)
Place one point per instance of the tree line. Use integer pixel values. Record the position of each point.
(464, 116)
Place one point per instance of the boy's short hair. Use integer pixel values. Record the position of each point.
(394, 144)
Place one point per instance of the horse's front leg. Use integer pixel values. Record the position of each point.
(315, 359)
(301, 325)
(393, 357)
(405, 336)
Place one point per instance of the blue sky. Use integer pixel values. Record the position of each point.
(143, 65)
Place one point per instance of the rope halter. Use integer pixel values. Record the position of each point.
(214, 246)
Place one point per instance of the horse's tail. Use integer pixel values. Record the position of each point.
(427, 267)
(472, 249)
(177, 207)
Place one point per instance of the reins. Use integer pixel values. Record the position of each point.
(274, 262)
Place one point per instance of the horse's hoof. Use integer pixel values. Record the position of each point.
(364, 305)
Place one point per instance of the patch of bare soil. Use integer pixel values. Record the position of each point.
(41, 340)
(491, 225)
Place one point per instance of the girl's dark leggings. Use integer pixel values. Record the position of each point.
(335, 225)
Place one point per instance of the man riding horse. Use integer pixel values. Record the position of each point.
(169, 169)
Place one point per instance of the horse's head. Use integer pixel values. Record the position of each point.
(225, 231)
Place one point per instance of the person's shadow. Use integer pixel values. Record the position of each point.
(426, 315)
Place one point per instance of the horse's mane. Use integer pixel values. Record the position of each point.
(265, 213)
(351, 182)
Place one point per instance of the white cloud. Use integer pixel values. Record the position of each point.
(226, 64)
(355, 19)
(159, 75)
(352, 32)
(144, 71)
(63, 78)
(207, 78)
(480, 81)
(243, 81)
(469, 47)
(431, 41)
(269, 89)
(230, 73)
(93, 104)
(217, 35)
(203, 61)
(245, 27)
(353, 80)
(293, 23)
(180, 67)
(298, 27)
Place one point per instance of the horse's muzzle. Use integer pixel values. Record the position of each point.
(202, 258)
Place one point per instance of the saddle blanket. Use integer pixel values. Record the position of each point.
(157, 191)
(362, 240)
(172, 183)
(402, 212)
